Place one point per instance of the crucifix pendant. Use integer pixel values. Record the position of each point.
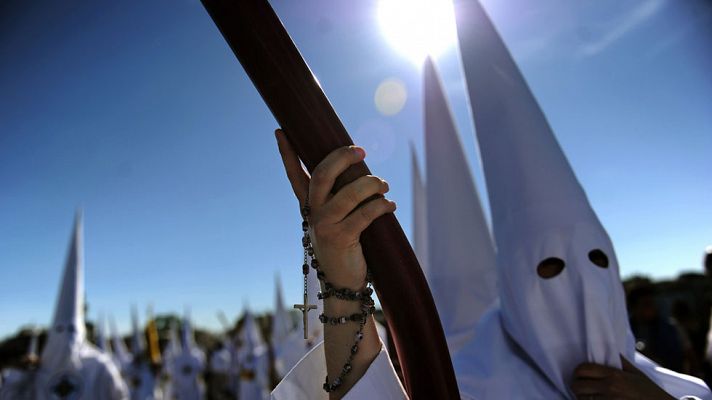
(305, 308)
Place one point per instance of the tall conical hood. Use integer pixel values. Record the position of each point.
(281, 322)
(186, 333)
(420, 216)
(250, 336)
(561, 296)
(529, 180)
(462, 260)
(173, 348)
(138, 338)
(121, 354)
(101, 340)
(67, 332)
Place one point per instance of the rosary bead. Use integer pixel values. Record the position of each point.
(359, 336)
(305, 269)
(354, 349)
(305, 226)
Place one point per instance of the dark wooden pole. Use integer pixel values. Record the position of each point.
(285, 82)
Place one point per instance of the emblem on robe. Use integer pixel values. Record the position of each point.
(65, 386)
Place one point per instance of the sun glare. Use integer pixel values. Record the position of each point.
(418, 28)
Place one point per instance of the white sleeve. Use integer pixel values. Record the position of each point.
(306, 379)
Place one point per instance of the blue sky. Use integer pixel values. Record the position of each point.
(138, 112)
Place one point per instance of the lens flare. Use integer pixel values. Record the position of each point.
(418, 28)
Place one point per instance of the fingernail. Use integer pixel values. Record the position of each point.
(360, 151)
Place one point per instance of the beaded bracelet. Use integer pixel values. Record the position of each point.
(344, 294)
(355, 317)
(361, 296)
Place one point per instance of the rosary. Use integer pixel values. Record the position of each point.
(362, 296)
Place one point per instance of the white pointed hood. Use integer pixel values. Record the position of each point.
(138, 338)
(420, 222)
(250, 337)
(67, 332)
(281, 322)
(101, 340)
(174, 347)
(121, 353)
(461, 255)
(541, 216)
(187, 340)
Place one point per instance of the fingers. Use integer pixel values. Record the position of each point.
(351, 195)
(362, 217)
(325, 174)
(296, 174)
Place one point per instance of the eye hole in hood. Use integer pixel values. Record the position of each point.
(598, 257)
(550, 267)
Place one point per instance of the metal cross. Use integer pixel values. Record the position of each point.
(305, 308)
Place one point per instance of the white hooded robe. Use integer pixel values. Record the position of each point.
(70, 367)
(529, 343)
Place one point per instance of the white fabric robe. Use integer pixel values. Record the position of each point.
(185, 371)
(94, 377)
(253, 379)
(306, 379)
(492, 379)
(142, 381)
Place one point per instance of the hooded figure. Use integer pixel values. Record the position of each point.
(186, 366)
(121, 356)
(139, 373)
(70, 367)
(252, 362)
(281, 328)
(172, 350)
(102, 342)
(461, 261)
(561, 299)
(221, 382)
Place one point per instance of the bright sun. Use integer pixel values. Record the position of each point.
(418, 28)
